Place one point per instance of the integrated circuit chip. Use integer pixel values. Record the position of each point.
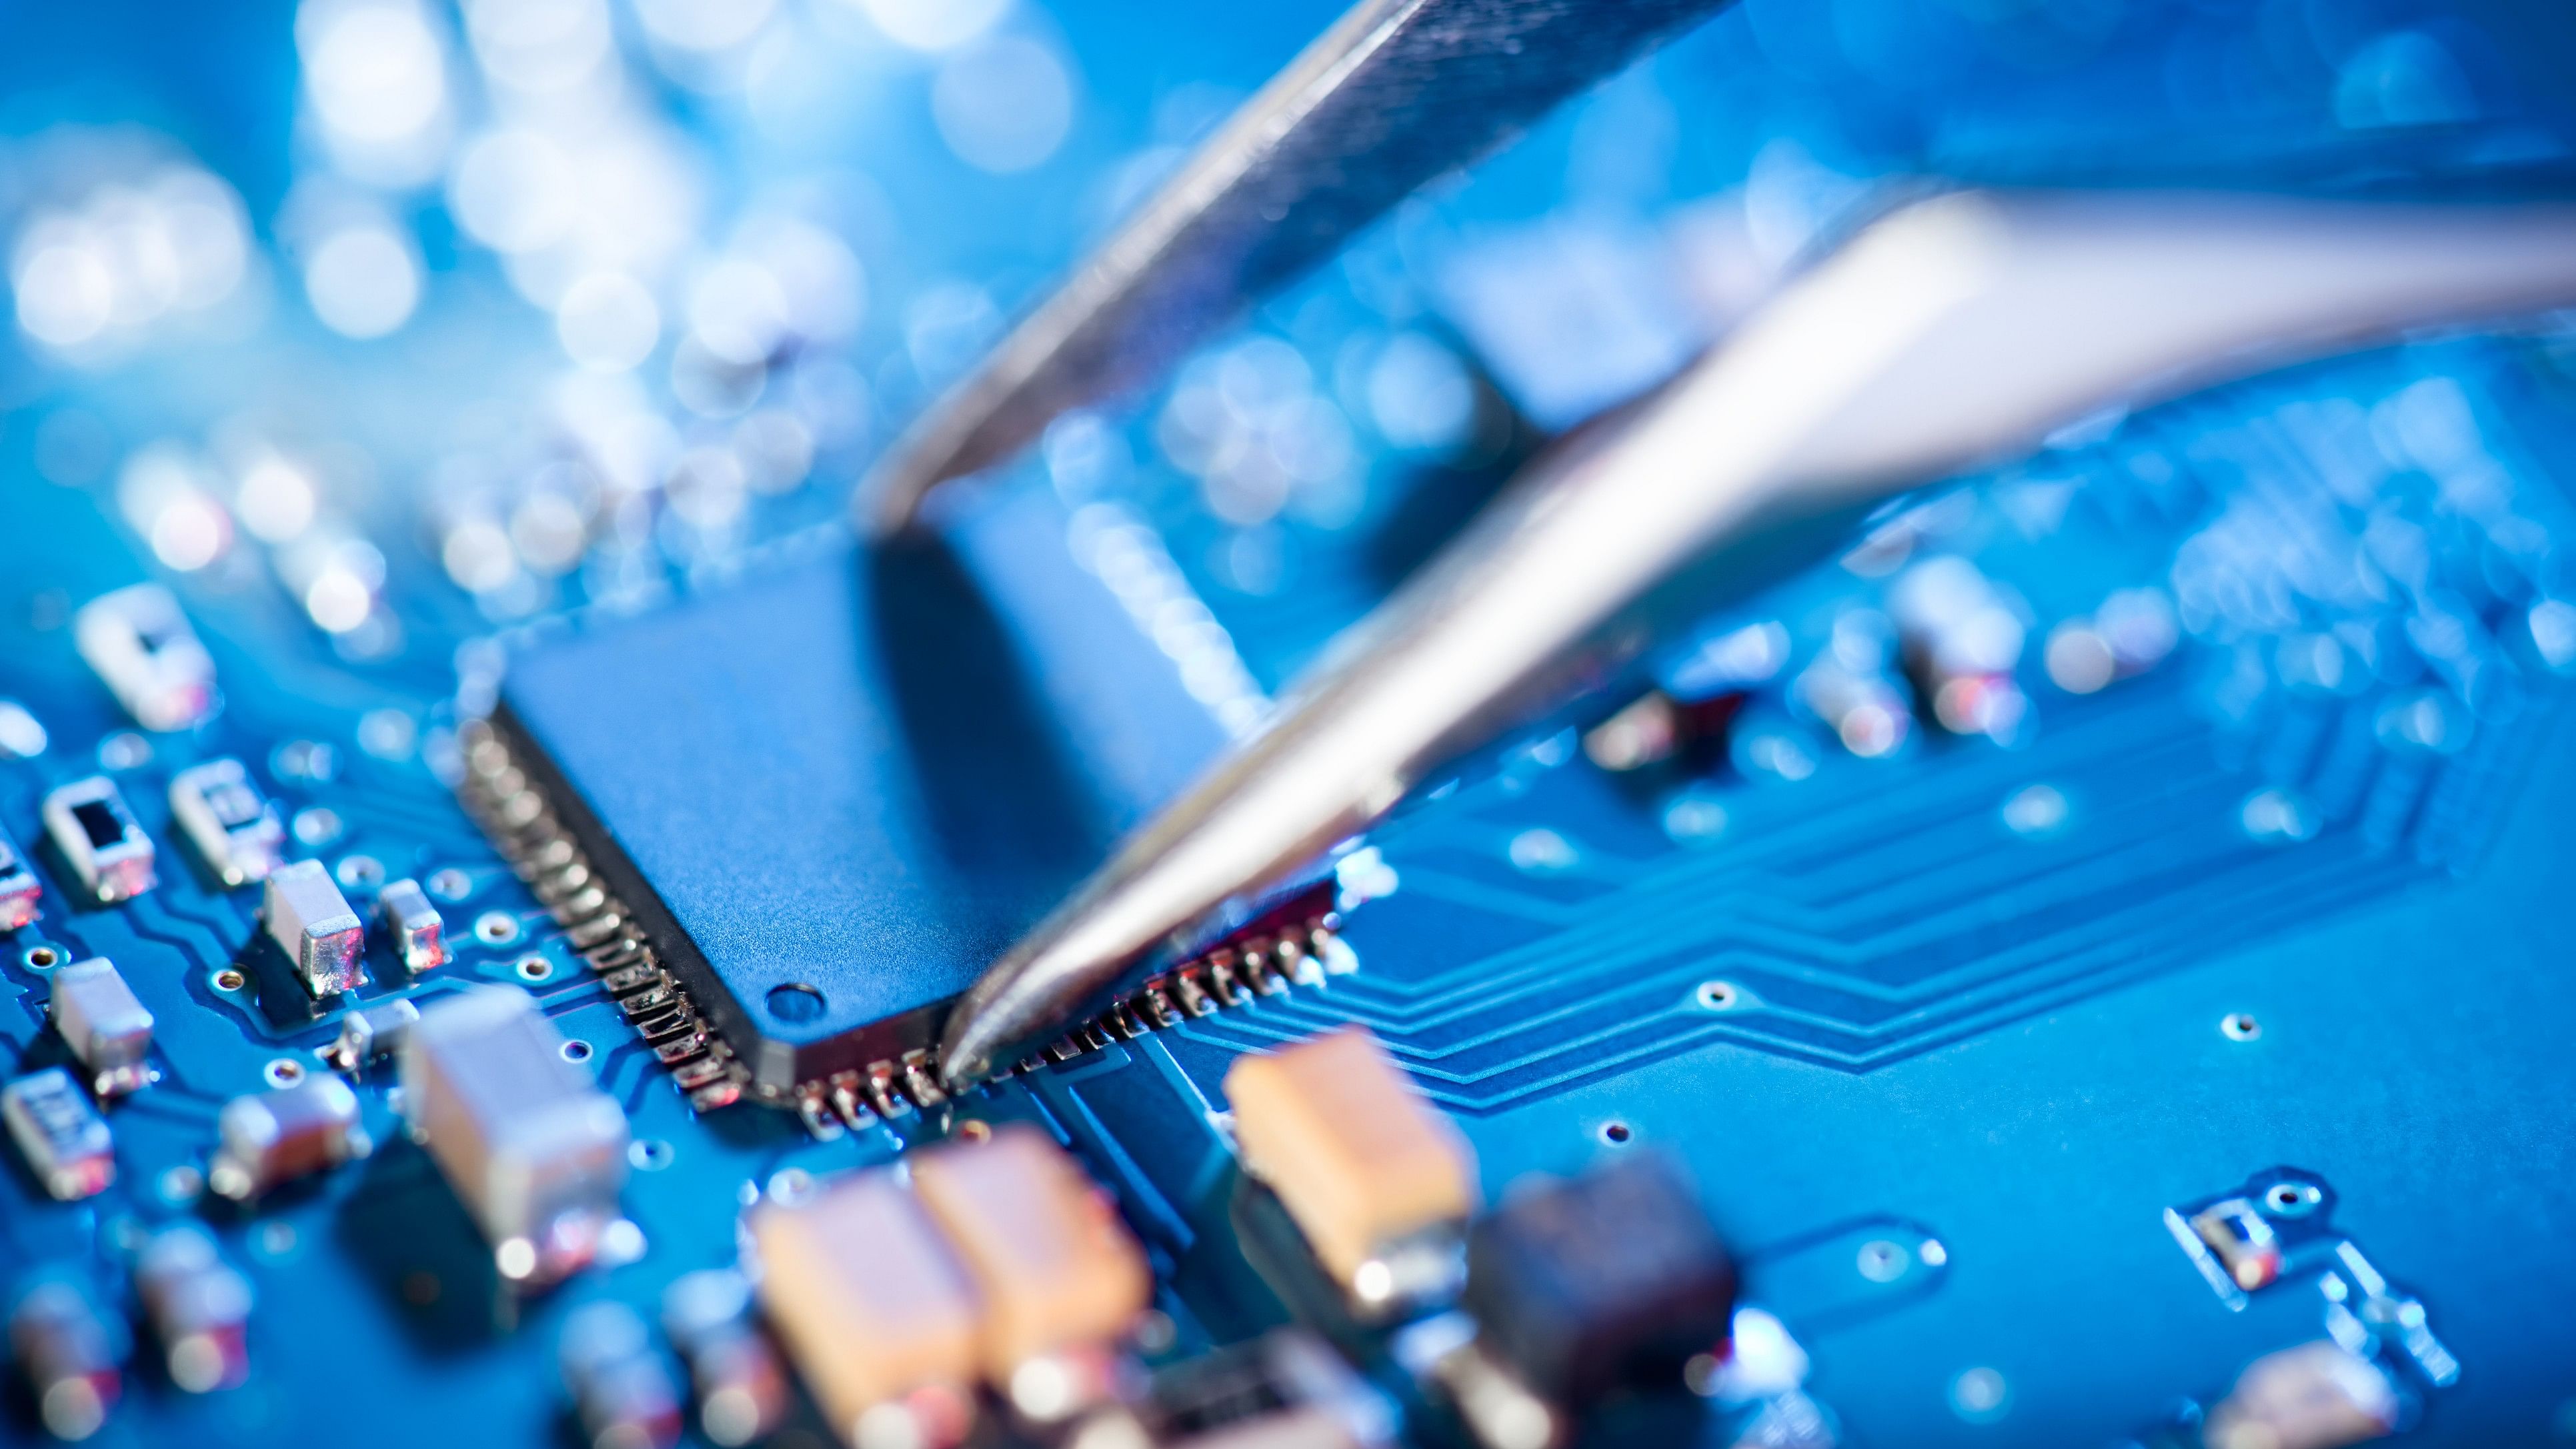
(791, 818)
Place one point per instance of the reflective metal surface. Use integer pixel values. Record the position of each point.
(1395, 93)
(1953, 331)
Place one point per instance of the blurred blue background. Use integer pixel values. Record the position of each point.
(487, 309)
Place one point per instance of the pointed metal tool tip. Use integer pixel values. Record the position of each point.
(889, 497)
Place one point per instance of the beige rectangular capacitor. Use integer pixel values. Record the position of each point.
(1359, 1159)
(870, 1302)
(1056, 1268)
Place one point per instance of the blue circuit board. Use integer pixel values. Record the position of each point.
(2238, 875)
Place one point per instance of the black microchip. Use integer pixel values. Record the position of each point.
(831, 794)
(1608, 1281)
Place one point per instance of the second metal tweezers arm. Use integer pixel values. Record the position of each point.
(1957, 331)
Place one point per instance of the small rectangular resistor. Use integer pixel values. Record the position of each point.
(308, 918)
(1359, 1159)
(104, 1025)
(234, 828)
(871, 1304)
(64, 1138)
(97, 836)
(273, 1137)
(412, 925)
(1056, 1269)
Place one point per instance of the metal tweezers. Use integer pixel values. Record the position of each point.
(1957, 329)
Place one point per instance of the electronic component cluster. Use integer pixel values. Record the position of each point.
(422, 402)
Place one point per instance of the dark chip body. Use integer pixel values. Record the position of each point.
(829, 795)
(1609, 1281)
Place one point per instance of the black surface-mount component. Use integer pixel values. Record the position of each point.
(791, 818)
(1588, 1286)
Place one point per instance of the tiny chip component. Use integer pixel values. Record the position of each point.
(741, 1387)
(69, 1352)
(20, 892)
(198, 1306)
(96, 835)
(370, 1034)
(62, 1135)
(139, 644)
(1377, 1180)
(105, 1026)
(874, 1309)
(1610, 1281)
(308, 918)
(235, 829)
(1059, 1276)
(2315, 1396)
(619, 1387)
(273, 1137)
(412, 925)
(2245, 1244)
(532, 1147)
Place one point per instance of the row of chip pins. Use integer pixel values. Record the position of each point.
(498, 793)
(1225, 976)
